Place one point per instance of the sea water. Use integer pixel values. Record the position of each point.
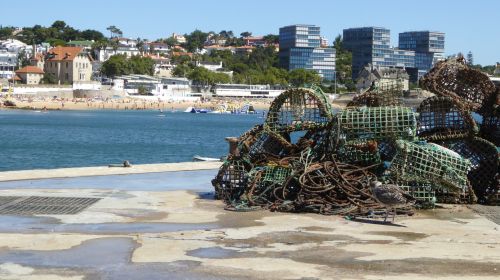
(56, 139)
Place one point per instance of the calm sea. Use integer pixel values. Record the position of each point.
(30, 140)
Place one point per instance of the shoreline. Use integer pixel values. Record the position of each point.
(70, 172)
(124, 104)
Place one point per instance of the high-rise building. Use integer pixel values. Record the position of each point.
(300, 47)
(428, 47)
(371, 45)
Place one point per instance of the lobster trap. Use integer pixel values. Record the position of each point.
(231, 179)
(362, 152)
(424, 193)
(455, 79)
(376, 123)
(442, 118)
(267, 144)
(490, 126)
(484, 164)
(298, 110)
(429, 163)
(389, 95)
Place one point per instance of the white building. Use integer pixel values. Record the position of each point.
(12, 45)
(212, 66)
(497, 69)
(179, 38)
(8, 63)
(323, 42)
(126, 42)
(156, 48)
(104, 54)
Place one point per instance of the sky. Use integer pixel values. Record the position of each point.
(468, 25)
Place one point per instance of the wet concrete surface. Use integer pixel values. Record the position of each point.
(211, 243)
(104, 258)
(27, 224)
(163, 181)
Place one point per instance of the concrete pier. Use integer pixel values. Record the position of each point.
(161, 222)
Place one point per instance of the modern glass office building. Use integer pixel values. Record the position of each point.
(300, 48)
(371, 45)
(428, 47)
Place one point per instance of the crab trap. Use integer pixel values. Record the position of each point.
(443, 118)
(298, 110)
(429, 163)
(376, 123)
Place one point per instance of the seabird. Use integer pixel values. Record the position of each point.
(391, 197)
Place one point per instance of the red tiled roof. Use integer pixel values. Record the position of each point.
(30, 69)
(63, 53)
(15, 78)
(38, 56)
(182, 53)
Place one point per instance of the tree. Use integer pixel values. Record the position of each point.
(245, 34)
(98, 46)
(6, 32)
(271, 39)
(203, 76)
(142, 90)
(56, 42)
(49, 78)
(301, 77)
(343, 62)
(59, 25)
(90, 34)
(22, 58)
(470, 58)
(141, 46)
(141, 65)
(338, 44)
(181, 70)
(171, 42)
(116, 65)
(195, 40)
(113, 30)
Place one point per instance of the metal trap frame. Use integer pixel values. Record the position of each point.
(429, 163)
(376, 123)
(298, 109)
(442, 118)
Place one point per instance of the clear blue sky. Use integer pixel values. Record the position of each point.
(469, 25)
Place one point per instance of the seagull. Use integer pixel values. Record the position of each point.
(391, 197)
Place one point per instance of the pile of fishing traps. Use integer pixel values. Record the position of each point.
(305, 158)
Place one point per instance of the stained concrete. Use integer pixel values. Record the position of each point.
(167, 226)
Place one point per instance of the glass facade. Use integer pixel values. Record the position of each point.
(371, 45)
(428, 47)
(300, 49)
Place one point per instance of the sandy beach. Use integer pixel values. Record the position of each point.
(126, 104)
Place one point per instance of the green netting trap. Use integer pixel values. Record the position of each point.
(276, 174)
(429, 163)
(298, 109)
(376, 123)
(362, 152)
(424, 193)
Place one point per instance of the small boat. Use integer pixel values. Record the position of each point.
(198, 111)
(200, 158)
